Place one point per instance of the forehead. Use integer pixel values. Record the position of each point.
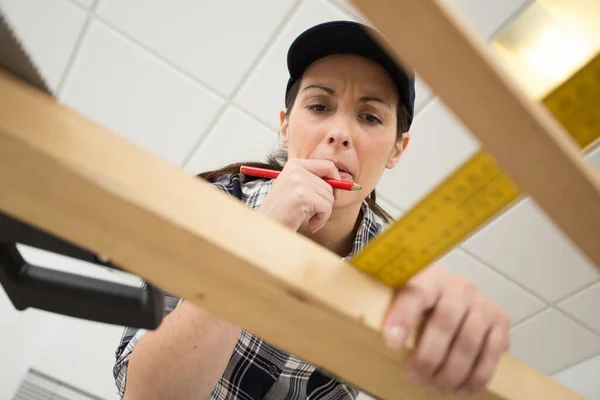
(349, 69)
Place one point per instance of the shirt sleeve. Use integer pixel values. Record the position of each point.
(131, 336)
(129, 339)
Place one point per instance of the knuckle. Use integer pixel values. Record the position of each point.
(296, 177)
(465, 284)
(299, 193)
(505, 319)
(424, 363)
(468, 343)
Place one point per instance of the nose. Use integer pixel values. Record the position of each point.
(339, 137)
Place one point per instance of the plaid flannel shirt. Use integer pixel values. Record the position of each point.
(257, 370)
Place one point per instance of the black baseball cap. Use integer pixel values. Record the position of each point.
(348, 37)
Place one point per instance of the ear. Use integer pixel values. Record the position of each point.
(283, 128)
(399, 147)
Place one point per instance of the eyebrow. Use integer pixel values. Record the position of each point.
(332, 92)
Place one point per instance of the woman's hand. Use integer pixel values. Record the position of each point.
(462, 337)
(300, 193)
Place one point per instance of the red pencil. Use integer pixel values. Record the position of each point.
(268, 173)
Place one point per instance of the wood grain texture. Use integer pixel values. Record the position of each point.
(71, 177)
(521, 135)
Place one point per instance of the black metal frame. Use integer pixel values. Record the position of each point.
(69, 294)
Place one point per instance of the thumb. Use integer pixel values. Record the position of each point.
(407, 311)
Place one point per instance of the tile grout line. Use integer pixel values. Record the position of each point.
(229, 100)
(509, 20)
(158, 56)
(574, 363)
(574, 292)
(77, 48)
(155, 54)
(577, 321)
(504, 275)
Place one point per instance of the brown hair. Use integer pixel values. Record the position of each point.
(277, 160)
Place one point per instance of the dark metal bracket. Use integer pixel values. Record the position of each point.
(69, 294)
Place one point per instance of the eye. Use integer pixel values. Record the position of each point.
(317, 107)
(372, 119)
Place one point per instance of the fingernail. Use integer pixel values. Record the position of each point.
(395, 336)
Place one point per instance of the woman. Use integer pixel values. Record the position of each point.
(347, 116)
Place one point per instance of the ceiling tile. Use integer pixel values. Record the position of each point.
(582, 378)
(519, 303)
(49, 30)
(85, 3)
(526, 246)
(487, 16)
(135, 94)
(550, 342)
(423, 94)
(236, 137)
(389, 208)
(583, 306)
(439, 143)
(264, 91)
(214, 41)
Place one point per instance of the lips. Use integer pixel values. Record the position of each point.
(344, 171)
(345, 176)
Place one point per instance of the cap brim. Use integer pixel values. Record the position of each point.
(347, 37)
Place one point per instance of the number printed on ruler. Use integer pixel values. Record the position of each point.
(474, 193)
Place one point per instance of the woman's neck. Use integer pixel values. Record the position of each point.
(338, 233)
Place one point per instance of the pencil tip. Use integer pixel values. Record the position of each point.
(356, 187)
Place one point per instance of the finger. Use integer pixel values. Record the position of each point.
(465, 350)
(409, 305)
(321, 168)
(495, 344)
(321, 187)
(438, 333)
(322, 212)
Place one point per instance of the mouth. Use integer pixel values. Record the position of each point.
(344, 171)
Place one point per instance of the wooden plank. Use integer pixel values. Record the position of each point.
(71, 177)
(525, 140)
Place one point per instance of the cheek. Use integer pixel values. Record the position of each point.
(304, 137)
(375, 152)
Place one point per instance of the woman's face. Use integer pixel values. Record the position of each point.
(345, 111)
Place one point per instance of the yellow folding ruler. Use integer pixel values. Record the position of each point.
(475, 192)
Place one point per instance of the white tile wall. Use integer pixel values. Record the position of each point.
(525, 245)
(139, 96)
(518, 302)
(486, 16)
(439, 143)
(584, 306)
(202, 84)
(85, 3)
(264, 91)
(214, 41)
(49, 30)
(243, 137)
(550, 342)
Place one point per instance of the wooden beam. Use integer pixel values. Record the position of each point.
(526, 141)
(71, 177)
